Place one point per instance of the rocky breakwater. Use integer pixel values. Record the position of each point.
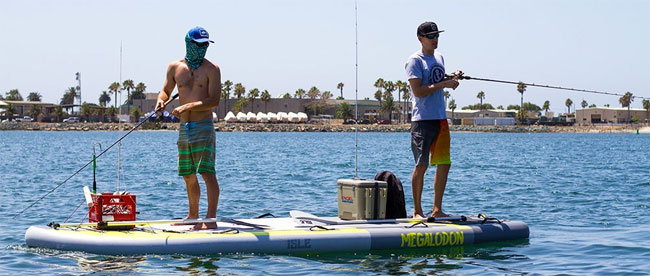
(262, 127)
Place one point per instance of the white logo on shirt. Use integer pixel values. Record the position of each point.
(437, 74)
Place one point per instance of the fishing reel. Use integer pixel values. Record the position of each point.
(458, 75)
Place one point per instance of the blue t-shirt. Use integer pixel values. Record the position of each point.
(429, 69)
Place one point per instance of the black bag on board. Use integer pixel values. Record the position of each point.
(395, 204)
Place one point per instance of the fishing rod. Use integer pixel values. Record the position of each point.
(102, 153)
(356, 92)
(461, 76)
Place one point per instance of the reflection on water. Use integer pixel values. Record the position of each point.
(427, 260)
(99, 264)
(199, 265)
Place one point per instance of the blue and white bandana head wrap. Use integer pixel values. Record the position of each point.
(194, 54)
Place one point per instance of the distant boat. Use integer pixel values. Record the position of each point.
(272, 117)
(241, 117)
(262, 118)
(230, 117)
(251, 117)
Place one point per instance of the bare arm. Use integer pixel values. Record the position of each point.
(168, 86)
(420, 90)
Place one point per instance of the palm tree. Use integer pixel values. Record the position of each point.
(378, 95)
(401, 87)
(300, 93)
(481, 96)
(68, 96)
(286, 96)
(546, 106)
(34, 97)
(521, 88)
(138, 92)
(379, 83)
(452, 106)
(111, 113)
(136, 113)
(114, 88)
(407, 98)
(13, 95)
(344, 112)
(265, 97)
(141, 87)
(86, 111)
(326, 95)
(104, 99)
(128, 85)
(240, 90)
(313, 93)
(10, 110)
(388, 106)
(568, 104)
(252, 95)
(340, 87)
(57, 113)
(35, 111)
(227, 87)
(446, 94)
(646, 106)
(625, 101)
(584, 104)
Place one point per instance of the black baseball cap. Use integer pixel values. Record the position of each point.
(428, 28)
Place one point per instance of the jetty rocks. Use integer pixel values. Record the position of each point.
(302, 127)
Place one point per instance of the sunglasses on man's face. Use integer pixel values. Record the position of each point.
(201, 44)
(432, 36)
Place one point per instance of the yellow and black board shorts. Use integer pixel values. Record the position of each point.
(196, 147)
(430, 141)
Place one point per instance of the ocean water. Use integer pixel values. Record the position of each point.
(585, 197)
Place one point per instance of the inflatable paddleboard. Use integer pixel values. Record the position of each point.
(298, 234)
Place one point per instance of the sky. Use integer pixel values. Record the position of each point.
(285, 45)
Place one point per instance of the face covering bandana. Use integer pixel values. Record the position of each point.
(194, 54)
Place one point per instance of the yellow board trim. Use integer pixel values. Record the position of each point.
(201, 234)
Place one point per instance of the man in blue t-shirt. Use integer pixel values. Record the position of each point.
(430, 138)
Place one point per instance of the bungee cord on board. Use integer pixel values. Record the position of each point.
(461, 76)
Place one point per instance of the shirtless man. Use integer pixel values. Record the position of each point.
(199, 88)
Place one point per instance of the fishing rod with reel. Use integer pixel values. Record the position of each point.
(460, 75)
(93, 161)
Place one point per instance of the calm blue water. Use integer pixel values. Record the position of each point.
(586, 198)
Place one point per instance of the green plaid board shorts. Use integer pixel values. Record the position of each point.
(196, 147)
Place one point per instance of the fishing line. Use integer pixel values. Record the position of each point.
(463, 77)
(102, 153)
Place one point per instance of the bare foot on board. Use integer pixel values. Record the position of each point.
(439, 214)
(204, 226)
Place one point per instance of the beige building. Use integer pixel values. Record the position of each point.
(610, 115)
(23, 108)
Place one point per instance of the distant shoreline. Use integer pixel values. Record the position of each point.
(261, 127)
